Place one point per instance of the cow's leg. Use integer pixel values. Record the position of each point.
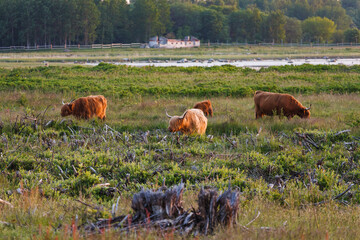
(258, 115)
(86, 116)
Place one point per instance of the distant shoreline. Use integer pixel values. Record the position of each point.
(254, 63)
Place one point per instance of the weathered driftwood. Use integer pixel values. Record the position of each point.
(164, 210)
(149, 205)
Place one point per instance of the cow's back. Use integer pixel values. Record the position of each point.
(267, 103)
(98, 105)
(196, 121)
(87, 107)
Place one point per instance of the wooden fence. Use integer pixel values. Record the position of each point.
(139, 45)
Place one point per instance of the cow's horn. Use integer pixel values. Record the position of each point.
(167, 114)
(308, 108)
(72, 100)
(183, 115)
(62, 102)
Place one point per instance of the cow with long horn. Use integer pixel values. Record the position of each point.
(193, 121)
(267, 103)
(86, 107)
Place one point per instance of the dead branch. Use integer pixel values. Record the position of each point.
(253, 219)
(341, 132)
(342, 194)
(6, 203)
(337, 196)
(88, 205)
(232, 142)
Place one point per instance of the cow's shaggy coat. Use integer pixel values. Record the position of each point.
(86, 107)
(267, 103)
(193, 121)
(205, 106)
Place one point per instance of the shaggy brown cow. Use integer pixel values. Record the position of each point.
(86, 107)
(205, 106)
(267, 103)
(192, 121)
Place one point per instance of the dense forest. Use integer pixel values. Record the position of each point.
(45, 22)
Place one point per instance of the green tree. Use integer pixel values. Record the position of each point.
(352, 8)
(87, 20)
(300, 9)
(186, 19)
(338, 36)
(293, 30)
(318, 29)
(350, 4)
(274, 27)
(237, 25)
(150, 17)
(245, 25)
(27, 23)
(352, 35)
(114, 23)
(64, 29)
(212, 23)
(10, 19)
(336, 14)
(164, 23)
(263, 5)
(254, 24)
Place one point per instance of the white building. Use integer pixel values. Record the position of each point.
(161, 42)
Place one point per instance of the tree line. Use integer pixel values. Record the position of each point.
(58, 22)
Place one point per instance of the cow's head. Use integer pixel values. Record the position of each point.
(176, 122)
(66, 109)
(305, 112)
(210, 111)
(206, 107)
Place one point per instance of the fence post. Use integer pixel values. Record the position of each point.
(78, 46)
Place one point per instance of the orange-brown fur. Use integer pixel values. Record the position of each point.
(205, 106)
(266, 103)
(193, 121)
(86, 107)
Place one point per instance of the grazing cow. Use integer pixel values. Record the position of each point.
(193, 121)
(86, 107)
(205, 106)
(267, 103)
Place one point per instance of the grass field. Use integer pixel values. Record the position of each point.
(293, 183)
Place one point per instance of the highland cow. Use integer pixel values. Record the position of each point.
(193, 121)
(205, 106)
(86, 107)
(267, 103)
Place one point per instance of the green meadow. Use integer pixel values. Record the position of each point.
(297, 174)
